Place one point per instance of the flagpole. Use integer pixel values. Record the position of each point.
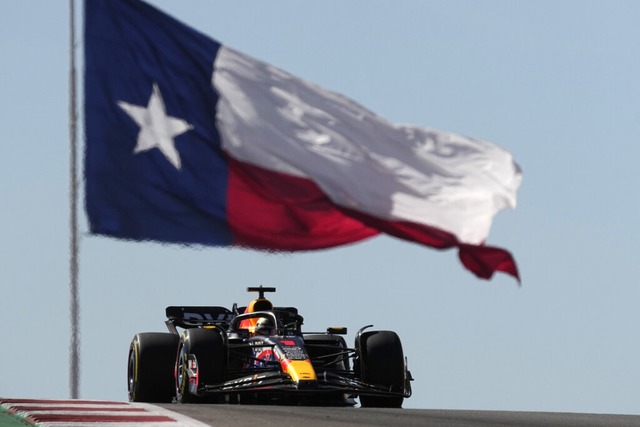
(74, 309)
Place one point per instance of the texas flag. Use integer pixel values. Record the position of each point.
(189, 141)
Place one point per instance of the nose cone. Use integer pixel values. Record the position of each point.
(301, 371)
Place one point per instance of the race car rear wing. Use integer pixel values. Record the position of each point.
(194, 316)
(198, 316)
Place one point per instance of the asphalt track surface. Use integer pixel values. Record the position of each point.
(284, 416)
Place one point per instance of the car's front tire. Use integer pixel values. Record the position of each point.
(381, 363)
(152, 357)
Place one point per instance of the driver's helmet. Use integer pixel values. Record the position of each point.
(265, 326)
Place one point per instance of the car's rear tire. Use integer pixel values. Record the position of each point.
(152, 357)
(208, 347)
(381, 363)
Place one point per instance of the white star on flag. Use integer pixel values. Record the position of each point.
(157, 129)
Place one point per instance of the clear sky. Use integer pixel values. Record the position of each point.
(557, 83)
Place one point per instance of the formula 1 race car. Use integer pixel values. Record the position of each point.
(259, 354)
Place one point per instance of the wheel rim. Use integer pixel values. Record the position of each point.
(180, 374)
(131, 371)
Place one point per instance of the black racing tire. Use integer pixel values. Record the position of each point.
(208, 346)
(152, 359)
(381, 363)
